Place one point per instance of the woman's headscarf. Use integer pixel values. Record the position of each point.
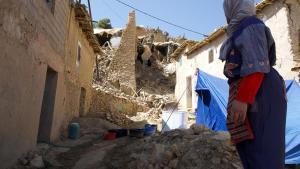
(236, 10)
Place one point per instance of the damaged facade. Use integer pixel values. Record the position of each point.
(46, 72)
(204, 55)
(138, 62)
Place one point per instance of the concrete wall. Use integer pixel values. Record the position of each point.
(31, 39)
(122, 67)
(285, 35)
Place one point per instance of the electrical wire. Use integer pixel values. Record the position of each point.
(115, 12)
(162, 20)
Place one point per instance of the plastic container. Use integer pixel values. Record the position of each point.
(110, 136)
(139, 133)
(119, 132)
(175, 120)
(150, 129)
(74, 131)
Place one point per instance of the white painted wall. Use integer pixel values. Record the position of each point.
(275, 17)
(277, 20)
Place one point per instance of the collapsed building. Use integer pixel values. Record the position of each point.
(135, 66)
(48, 53)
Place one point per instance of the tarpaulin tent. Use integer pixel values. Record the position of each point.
(211, 111)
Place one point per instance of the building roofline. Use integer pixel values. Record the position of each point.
(216, 34)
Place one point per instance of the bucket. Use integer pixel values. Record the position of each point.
(150, 129)
(175, 120)
(110, 136)
(74, 131)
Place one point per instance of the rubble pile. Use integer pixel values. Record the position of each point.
(140, 97)
(154, 79)
(103, 62)
(34, 158)
(195, 148)
(137, 121)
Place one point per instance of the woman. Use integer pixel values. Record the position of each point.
(257, 102)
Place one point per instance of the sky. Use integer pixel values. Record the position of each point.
(202, 16)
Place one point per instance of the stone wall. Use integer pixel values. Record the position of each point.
(122, 67)
(105, 101)
(273, 14)
(293, 7)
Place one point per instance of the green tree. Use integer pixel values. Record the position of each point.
(104, 23)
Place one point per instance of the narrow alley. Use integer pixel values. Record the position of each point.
(82, 94)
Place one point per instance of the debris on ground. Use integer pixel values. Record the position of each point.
(197, 147)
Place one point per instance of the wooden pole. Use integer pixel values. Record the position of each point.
(90, 11)
(91, 17)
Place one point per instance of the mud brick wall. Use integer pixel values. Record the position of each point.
(122, 67)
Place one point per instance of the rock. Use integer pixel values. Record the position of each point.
(188, 132)
(167, 157)
(30, 155)
(237, 166)
(224, 160)
(198, 129)
(23, 161)
(175, 150)
(43, 146)
(222, 136)
(37, 162)
(173, 163)
(216, 160)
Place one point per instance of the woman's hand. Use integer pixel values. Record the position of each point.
(239, 111)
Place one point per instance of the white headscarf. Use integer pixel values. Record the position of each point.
(236, 10)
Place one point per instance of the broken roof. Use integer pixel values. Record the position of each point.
(221, 31)
(108, 31)
(84, 20)
(181, 48)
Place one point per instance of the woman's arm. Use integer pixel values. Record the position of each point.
(249, 87)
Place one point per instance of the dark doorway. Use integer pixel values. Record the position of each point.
(46, 116)
(82, 101)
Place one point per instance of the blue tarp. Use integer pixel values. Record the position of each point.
(211, 111)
